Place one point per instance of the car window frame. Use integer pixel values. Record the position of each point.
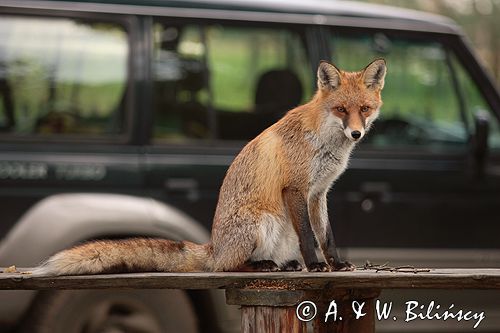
(130, 25)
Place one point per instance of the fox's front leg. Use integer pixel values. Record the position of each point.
(296, 206)
(318, 212)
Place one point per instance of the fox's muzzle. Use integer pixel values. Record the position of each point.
(354, 134)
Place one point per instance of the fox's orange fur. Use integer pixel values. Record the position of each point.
(272, 203)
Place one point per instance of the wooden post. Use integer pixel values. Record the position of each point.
(274, 310)
(344, 303)
(268, 310)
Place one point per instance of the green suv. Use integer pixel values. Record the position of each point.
(120, 118)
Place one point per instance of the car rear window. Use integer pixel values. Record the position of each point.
(62, 77)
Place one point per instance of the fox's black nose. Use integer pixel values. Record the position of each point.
(356, 134)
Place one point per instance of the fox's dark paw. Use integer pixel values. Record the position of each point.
(344, 266)
(264, 266)
(292, 266)
(318, 267)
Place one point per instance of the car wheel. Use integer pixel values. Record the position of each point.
(110, 311)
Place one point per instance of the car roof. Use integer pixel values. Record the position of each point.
(323, 11)
(322, 7)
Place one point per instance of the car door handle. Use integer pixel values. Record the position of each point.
(186, 186)
(374, 192)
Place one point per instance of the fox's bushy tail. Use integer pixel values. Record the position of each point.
(127, 256)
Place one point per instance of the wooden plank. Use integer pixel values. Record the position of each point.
(264, 297)
(360, 279)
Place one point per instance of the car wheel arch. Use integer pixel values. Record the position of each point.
(65, 220)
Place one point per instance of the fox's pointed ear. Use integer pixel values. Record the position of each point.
(328, 76)
(374, 74)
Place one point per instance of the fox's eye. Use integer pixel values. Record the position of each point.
(341, 109)
(365, 108)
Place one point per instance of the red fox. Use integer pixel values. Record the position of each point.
(272, 208)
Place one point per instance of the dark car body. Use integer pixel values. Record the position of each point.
(192, 81)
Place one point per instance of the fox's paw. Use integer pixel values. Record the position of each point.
(292, 266)
(318, 267)
(343, 266)
(264, 266)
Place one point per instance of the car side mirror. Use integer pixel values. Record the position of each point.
(479, 142)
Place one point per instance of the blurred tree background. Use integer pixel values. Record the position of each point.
(479, 18)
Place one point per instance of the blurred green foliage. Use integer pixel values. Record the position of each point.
(479, 19)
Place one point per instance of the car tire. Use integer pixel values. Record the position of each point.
(111, 311)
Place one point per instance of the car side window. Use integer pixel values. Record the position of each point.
(225, 81)
(421, 106)
(61, 77)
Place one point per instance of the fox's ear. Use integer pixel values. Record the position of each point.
(374, 74)
(328, 76)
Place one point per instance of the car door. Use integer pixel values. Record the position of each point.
(215, 88)
(413, 185)
(64, 108)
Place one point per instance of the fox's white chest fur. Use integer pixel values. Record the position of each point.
(329, 162)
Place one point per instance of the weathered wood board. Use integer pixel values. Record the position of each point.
(359, 279)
